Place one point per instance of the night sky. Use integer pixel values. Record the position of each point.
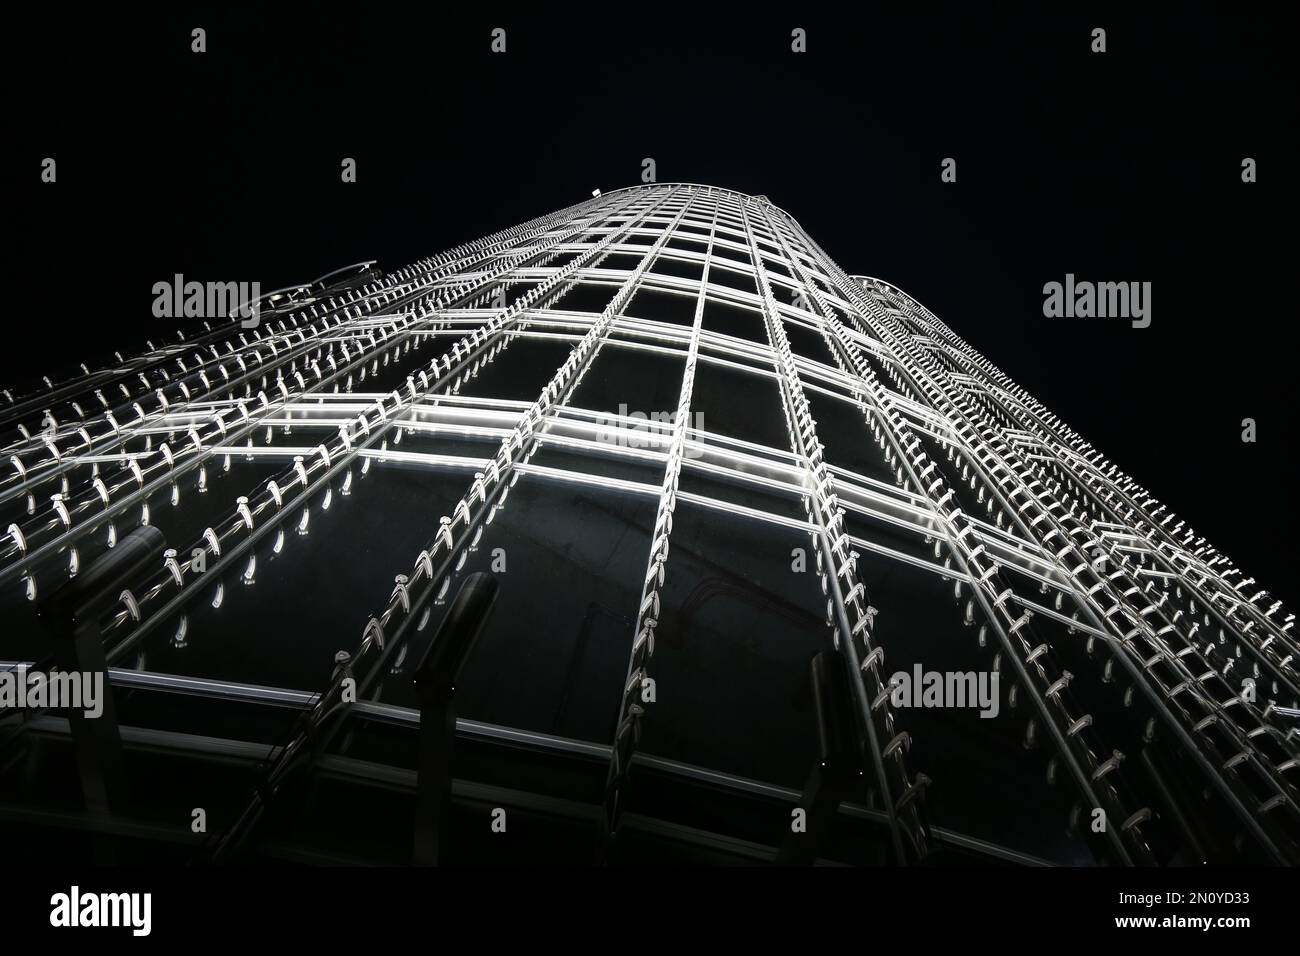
(1122, 166)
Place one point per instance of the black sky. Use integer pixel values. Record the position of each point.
(1123, 166)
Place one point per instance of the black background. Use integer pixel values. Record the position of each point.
(1123, 166)
(358, 909)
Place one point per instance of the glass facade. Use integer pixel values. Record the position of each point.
(695, 457)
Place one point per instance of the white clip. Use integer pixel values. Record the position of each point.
(401, 589)
(169, 561)
(425, 562)
(131, 605)
(1060, 684)
(17, 535)
(62, 509)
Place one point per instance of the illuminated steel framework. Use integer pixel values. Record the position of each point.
(694, 453)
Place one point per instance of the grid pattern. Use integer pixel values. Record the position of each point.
(675, 355)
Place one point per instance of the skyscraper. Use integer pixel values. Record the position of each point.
(781, 568)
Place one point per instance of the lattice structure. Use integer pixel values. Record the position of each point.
(661, 356)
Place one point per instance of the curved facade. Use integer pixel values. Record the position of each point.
(784, 570)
